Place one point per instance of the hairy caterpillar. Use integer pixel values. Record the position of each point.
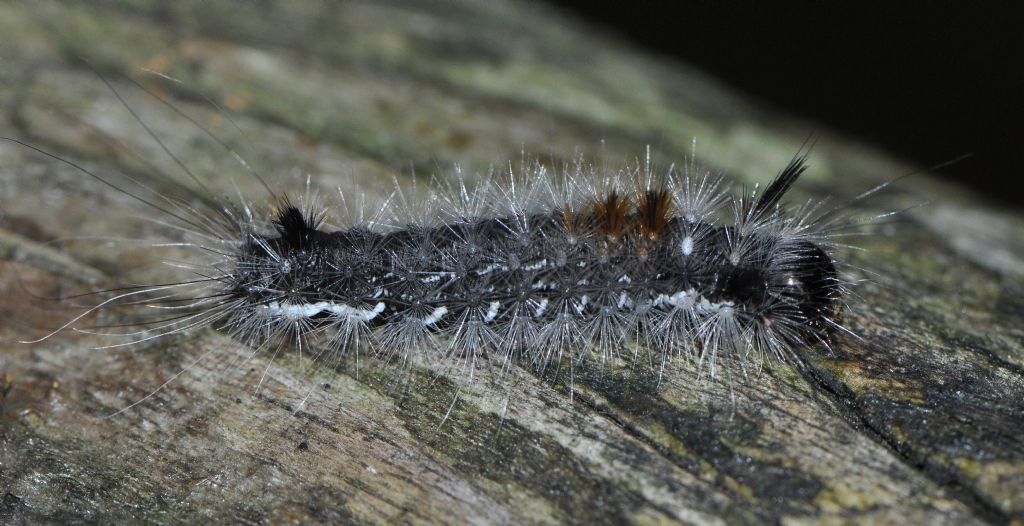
(538, 266)
(560, 277)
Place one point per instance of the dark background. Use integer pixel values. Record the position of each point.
(927, 83)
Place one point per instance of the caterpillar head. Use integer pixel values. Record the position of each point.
(282, 268)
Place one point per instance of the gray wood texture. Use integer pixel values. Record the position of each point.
(921, 421)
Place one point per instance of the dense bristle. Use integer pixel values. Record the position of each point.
(612, 214)
(294, 228)
(654, 211)
(782, 183)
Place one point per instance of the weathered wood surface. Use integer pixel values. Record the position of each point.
(921, 422)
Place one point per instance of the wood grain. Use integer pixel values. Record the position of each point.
(920, 421)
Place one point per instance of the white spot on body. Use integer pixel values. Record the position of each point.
(691, 299)
(536, 266)
(687, 246)
(490, 268)
(435, 316)
(299, 311)
(541, 307)
(492, 312)
(582, 305)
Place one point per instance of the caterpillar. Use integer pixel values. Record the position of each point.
(566, 278)
(534, 265)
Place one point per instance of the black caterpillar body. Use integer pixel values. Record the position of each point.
(611, 271)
